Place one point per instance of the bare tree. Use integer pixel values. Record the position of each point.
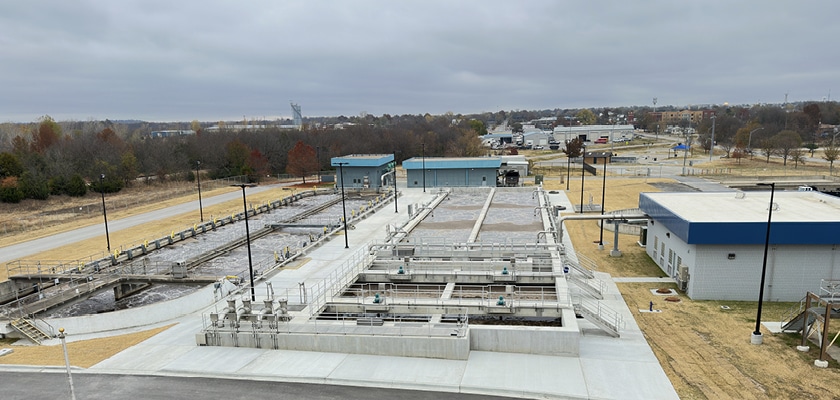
(787, 141)
(797, 155)
(830, 154)
(768, 148)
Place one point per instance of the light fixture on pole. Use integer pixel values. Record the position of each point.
(104, 213)
(62, 336)
(568, 165)
(603, 198)
(198, 179)
(396, 207)
(318, 159)
(424, 166)
(568, 156)
(343, 207)
(712, 144)
(756, 335)
(248, 237)
(749, 140)
(582, 173)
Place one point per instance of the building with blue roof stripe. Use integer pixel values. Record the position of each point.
(712, 244)
(452, 172)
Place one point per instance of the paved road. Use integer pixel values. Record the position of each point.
(14, 252)
(54, 385)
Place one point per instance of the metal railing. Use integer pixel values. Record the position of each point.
(335, 324)
(338, 280)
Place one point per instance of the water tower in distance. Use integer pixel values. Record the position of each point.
(297, 118)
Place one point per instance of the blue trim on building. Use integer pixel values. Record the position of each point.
(740, 233)
(452, 163)
(374, 160)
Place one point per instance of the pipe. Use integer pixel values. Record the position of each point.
(596, 217)
(245, 309)
(230, 309)
(267, 309)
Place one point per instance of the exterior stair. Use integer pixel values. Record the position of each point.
(29, 330)
(602, 316)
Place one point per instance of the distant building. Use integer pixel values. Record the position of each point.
(712, 244)
(452, 172)
(591, 133)
(171, 133)
(364, 171)
(673, 117)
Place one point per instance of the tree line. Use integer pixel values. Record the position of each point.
(47, 157)
(43, 159)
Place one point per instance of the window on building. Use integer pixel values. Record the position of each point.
(655, 244)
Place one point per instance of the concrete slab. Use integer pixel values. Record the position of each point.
(294, 364)
(523, 375)
(143, 358)
(215, 360)
(607, 379)
(400, 372)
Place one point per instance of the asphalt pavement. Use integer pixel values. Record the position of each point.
(53, 384)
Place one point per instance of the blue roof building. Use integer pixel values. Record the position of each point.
(452, 172)
(364, 171)
(712, 244)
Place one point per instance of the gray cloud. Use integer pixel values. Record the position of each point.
(210, 60)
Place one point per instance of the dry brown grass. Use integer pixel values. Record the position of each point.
(85, 353)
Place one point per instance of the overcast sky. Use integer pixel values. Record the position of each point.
(179, 60)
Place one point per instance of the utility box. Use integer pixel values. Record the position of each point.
(179, 270)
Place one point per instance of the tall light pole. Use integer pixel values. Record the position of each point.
(568, 165)
(568, 154)
(603, 198)
(712, 144)
(343, 207)
(655, 116)
(424, 166)
(685, 150)
(582, 174)
(318, 158)
(67, 363)
(396, 208)
(198, 179)
(104, 213)
(756, 335)
(749, 140)
(248, 237)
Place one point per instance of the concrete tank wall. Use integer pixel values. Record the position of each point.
(453, 348)
(563, 341)
(141, 316)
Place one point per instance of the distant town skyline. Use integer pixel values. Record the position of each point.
(191, 60)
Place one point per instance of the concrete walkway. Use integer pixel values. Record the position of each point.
(607, 367)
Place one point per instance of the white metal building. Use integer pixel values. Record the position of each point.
(713, 243)
(589, 133)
